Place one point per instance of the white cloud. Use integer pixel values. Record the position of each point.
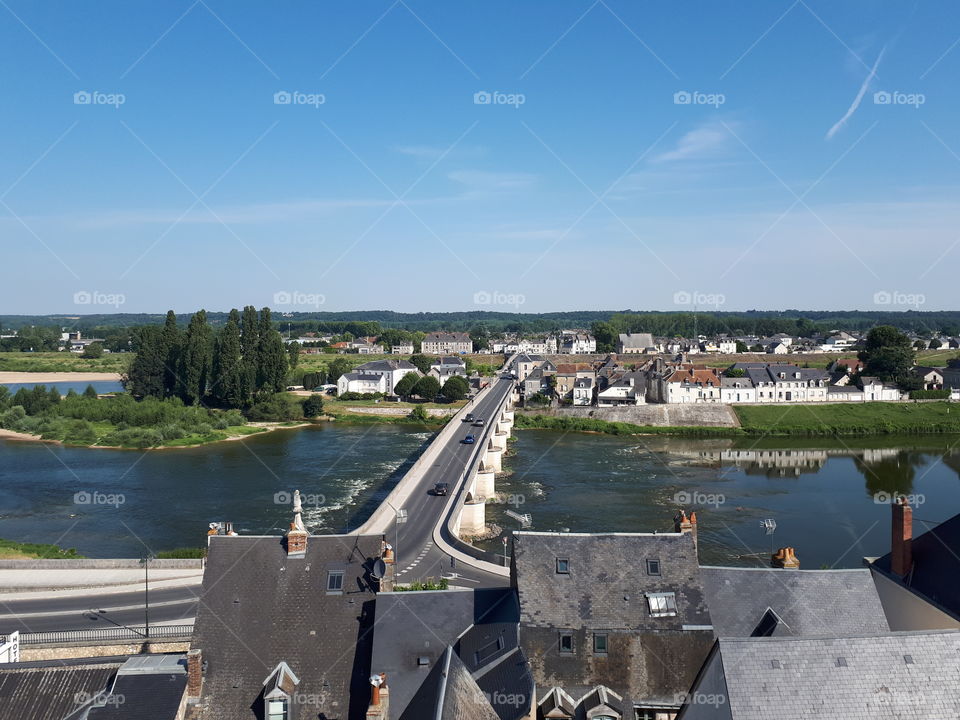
(706, 141)
(482, 180)
(841, 123)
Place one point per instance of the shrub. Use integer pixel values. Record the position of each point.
(276, 408)
(312, 406)
(930, 395)
(419, 414)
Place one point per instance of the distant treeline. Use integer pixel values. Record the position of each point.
(118, 329)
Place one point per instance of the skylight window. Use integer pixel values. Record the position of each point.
(335, 581)
(563, 566)
(653, 567)
(662, 604)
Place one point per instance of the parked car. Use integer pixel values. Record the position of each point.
(441, 488)
(469, 440)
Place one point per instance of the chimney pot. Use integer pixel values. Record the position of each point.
(785, 557)
(901, 550)
(194, 672)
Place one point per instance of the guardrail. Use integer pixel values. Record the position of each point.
(106, 636)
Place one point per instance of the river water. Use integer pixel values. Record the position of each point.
(828, 498)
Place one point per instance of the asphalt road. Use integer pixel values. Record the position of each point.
(417, 556)
(167, 605)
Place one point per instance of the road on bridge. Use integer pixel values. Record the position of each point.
(418, 558)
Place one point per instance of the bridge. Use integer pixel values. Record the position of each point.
(426, 529)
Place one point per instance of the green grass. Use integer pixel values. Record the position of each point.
(63, 362)
(11, 550)
(189, 553)
(577, 424)
(850, 419)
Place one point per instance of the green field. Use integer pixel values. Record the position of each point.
(11, 550)
(524, 421)
(850, 419)
(63, 362)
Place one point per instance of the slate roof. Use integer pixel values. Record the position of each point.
(385, 366)
(648, 659)
(736, 382)
(362, 376)
(260, 608)
(435, 337)
(807, 602)
(151, 694)
(636, 340)
(936, 567)
(480, 626)
(805, 678)
(51, 692)
(450, 693)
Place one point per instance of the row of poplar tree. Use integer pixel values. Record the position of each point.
(230, 367)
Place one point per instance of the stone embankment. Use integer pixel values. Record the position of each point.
(658, 415)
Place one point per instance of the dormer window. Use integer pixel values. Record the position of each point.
(662, 604)
(563, 566)
(278, 691)
(335, 581)
(277, 710)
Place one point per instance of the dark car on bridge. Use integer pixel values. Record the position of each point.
(441, 488)
(469, 440)
(468, 418)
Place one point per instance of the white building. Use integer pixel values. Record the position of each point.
(634, 343)
(583, 391)
(573, 342)
(445, 367)
(390, 370)
(443, 343)
(737, 390)
(365, 383)
(403, 348)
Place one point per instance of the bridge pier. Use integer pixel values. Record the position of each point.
(473, 517)
(485, 482)
(498, 440)
(493, 459)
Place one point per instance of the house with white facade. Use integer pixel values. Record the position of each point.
(391, 370)
(693, 385)
(360, 382)
(623, 389)
(446, 366)
(446, 343)
(583, 391)
(838, 342)
(783, 382)
(737, 390)
(574, 342)
(402, 348)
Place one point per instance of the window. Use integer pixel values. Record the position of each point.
(662, 604)
(563, 566)
(566, 643)
(600, 643)
(653, 567)
(277, 710)
(335, 581)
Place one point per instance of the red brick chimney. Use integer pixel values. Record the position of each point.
(901, 550)
(379, 698)
(194, 672)
(785, 557)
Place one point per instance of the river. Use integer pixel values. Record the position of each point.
(827, 497)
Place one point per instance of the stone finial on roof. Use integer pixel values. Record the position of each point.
(297, 534)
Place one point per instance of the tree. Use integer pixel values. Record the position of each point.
(312, 406)
(741, 346)
(249, 343)
(427, 387)
(228, 386)
(313, 379)
(93, 351)
(919, 345)
(89, 392)
(406, 384)
(735, 372)
(271, 356)
(887, 354)
(419, 414)
(196, 359)
(455, 388)
(170, 343)
(293, 354)
(147, 374)
(935, 344)
(337, 367)
(421, 362)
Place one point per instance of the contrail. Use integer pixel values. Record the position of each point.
(856, 101)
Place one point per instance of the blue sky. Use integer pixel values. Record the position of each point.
(815, 165)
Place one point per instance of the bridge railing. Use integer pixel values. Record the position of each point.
(107, 636)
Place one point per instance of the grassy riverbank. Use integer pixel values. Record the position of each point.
(44, 362)
(850, 419)
(860, 419)
(11, 550)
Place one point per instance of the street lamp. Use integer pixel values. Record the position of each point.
(145, 561)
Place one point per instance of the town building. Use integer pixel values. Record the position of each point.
(635, 343)
(446, 343)
(402, 348)
(576, 342)
(448, 366)
(376, 376)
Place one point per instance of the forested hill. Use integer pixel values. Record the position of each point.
(760, 322)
